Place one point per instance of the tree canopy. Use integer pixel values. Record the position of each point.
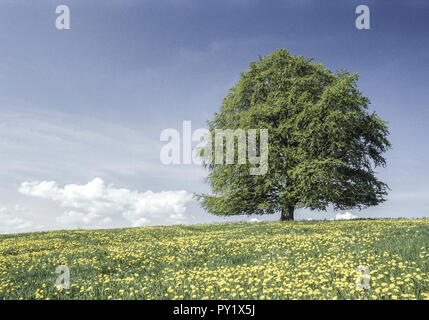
(323, 146)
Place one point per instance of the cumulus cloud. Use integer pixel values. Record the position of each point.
(96, 204)
(14, 220)
(345, 216)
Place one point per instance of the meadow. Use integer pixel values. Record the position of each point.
(262, 260)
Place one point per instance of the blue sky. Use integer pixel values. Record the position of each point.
(91, 102)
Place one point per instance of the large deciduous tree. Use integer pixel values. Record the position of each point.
(323, 146)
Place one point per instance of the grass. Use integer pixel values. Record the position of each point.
(273, 260)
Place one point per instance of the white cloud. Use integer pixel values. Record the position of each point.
(345, 216)
(98, 205)
(254, 220)
(14, 220)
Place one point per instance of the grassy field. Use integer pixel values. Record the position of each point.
(291, 260)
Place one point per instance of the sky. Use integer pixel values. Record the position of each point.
(82, 110)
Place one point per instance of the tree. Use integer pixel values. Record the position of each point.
(323, 144)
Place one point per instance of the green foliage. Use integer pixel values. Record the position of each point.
(323, 144)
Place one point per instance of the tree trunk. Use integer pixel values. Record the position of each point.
(287, 213)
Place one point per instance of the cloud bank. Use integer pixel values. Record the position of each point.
(98, 205)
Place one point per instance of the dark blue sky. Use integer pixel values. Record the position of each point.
(129, 69)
